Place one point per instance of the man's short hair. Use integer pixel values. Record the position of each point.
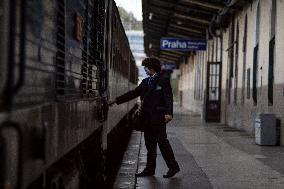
(152, 63)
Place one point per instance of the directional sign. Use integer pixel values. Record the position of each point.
(183, 44)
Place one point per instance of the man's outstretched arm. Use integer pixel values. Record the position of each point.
(129, 95)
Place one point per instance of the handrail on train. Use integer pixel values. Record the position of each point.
(12, 86)
(3, 155)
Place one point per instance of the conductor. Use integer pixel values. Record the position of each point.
(156, 110)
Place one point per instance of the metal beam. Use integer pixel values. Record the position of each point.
(203, 3)
(178, 6)
(173, 52)
(159, 15)
(186, 29)
(187, 34)
(195, 19)
(162, 2)
(170, 54)
(189, 24)
(169, 59)
(172, 34)
(160, 9)
(186, 8)
(152, 30)
(156, 26)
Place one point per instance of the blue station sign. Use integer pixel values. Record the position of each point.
(168, 66)
(183, 44)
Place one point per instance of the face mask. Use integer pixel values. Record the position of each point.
(147, 70)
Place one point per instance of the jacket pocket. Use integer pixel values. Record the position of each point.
(158, 115)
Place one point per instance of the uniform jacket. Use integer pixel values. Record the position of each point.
(157, 99)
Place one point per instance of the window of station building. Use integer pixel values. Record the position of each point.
(201, 75)
(271, 53)
(230, 50)
(244, 58)
(256, 56)
(197, 83)
(248, 83)
(236, 65)
(213, 48)
(208, 51)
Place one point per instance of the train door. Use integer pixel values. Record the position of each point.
(213, 92)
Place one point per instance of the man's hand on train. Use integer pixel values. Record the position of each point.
(111, 102)
(168, 118)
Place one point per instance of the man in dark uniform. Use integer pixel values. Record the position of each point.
(156, 110)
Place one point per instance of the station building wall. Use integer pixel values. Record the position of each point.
(191, 95)
(235, 48)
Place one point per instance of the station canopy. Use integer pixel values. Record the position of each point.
(184, 19)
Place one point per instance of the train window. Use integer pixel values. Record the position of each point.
(100, 44)
(124, 63)
(60, 44)
(84, 66)
(271, 53)
(93, 75)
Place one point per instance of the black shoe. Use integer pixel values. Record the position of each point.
(171, 172)
(145, 173)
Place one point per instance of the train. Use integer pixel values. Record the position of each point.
(60, 62)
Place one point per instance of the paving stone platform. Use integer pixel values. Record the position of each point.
(210, 156)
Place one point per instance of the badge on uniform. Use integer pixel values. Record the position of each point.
(158, 88)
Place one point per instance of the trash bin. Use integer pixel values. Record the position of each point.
(265, 130)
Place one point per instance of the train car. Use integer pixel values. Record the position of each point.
(61, 60)
(121, 57)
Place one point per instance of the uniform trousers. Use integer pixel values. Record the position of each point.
(153, 135)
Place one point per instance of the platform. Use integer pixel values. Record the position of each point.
(210, 156)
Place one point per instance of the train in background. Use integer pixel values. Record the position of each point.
(61, 60)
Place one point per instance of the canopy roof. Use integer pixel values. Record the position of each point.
(191, 19)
